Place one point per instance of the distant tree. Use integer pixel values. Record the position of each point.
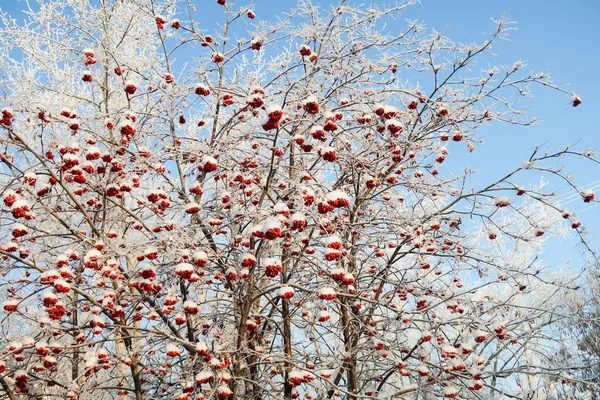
(261, 209)
(582, 338)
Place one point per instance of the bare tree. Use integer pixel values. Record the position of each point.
(581, 343)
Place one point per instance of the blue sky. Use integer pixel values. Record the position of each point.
(558, 36)
(553, 35)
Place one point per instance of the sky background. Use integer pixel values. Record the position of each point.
(552, 35)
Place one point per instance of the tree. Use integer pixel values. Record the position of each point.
(582, 337)
(262, 209)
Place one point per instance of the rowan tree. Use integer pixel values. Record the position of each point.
(261, 209)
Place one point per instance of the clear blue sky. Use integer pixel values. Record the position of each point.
(555, 35)
(559, 36)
